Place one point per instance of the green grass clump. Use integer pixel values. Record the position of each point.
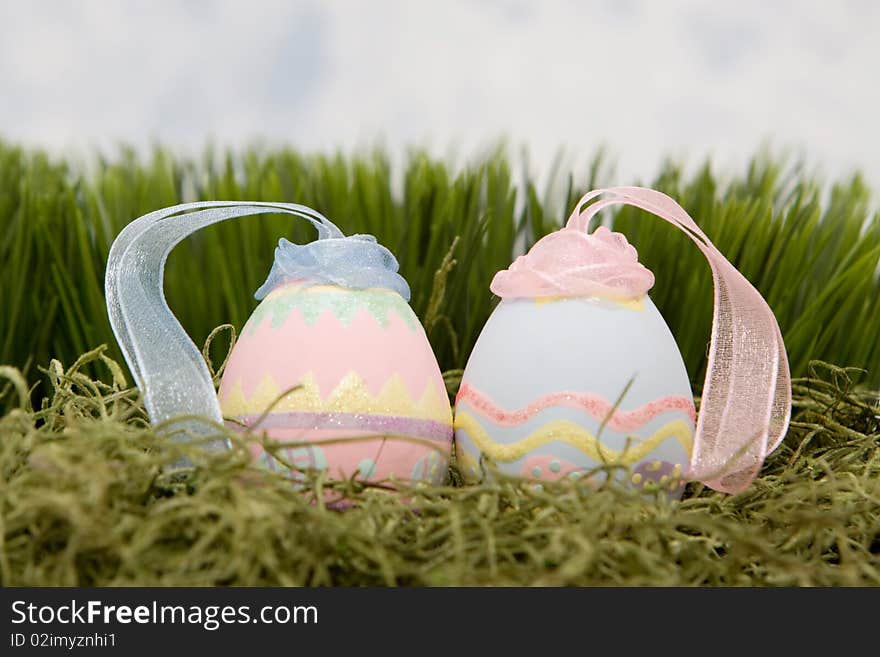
(814, 258)
(86, 498)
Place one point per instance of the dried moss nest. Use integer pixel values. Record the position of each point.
(87, 499)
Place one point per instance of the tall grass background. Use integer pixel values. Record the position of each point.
(812, 250)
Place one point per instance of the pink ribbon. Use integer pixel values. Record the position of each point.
(571, 263)
(746, 404)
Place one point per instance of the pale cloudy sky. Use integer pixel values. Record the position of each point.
(647, 79)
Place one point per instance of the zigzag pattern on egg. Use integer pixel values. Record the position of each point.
(313, 301)
(351, 396)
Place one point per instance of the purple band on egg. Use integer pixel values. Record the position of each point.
(385, 424)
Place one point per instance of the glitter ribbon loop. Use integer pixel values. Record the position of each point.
(168, 368)
(746, 403)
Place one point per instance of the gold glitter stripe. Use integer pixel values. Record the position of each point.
(351, 395)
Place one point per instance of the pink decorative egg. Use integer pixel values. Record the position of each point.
(319, 365)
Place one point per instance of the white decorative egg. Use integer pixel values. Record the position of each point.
(560, 384)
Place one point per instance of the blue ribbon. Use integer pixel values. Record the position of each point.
(357, 262)
(167, 366)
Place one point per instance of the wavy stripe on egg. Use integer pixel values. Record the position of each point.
(598, 407)
(572, 434)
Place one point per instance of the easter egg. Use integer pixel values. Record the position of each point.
(344, 380)
(558, 385)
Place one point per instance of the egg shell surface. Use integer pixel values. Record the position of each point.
(353, 364)
(557, 387)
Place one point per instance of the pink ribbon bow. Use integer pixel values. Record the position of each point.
(746, 403)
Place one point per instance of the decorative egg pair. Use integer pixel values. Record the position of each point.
(575, 369)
